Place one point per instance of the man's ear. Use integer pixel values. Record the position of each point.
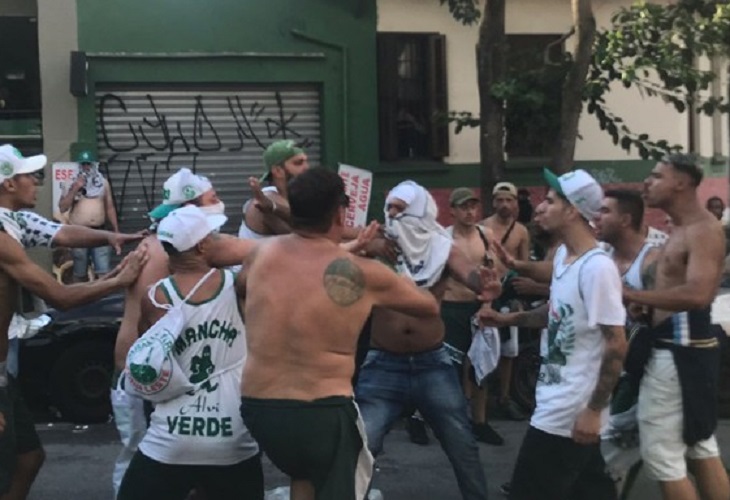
(8, 185)
(278, 172)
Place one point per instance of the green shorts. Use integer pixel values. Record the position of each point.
(316, 440)
(20, 435)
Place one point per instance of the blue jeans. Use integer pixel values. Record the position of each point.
(101, 256)
(389, 383)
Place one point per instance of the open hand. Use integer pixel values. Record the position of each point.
(118, 240)
(364, 238)
(491, 285)
(260, 200)
(130, 267)
(507, 258)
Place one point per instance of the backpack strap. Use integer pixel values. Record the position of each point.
(508, 233)
(164, 281)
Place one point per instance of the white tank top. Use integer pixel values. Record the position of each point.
(246, 232)
(632, 277)
(205, 428)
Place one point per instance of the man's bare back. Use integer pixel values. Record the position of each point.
(306, 301)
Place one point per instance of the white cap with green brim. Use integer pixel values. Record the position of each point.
(580, 189)
(187, 226)
(13, 163)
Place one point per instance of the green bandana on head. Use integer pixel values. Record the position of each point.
(277, 153)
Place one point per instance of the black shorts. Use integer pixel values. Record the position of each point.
(317, 441)
(553, 467)
(20, 435)
(148, 479)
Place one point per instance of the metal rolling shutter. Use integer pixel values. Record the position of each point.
(146, 134)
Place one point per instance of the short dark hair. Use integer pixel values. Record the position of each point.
(714, 198)
(170, 250)
(314, 197)
(629, 201)
(687, 164)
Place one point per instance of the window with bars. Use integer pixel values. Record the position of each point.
(412, 98)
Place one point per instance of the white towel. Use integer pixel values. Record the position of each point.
(424, 244)
(365, 461)
(484, 350)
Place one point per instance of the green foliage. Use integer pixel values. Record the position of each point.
(465, 11)
(649, 46)
(654, 48)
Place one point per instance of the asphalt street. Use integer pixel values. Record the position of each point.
(79, 464)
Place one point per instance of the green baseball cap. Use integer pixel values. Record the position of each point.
(86, 156)
(277, 153)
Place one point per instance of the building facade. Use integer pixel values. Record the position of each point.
(152, 86)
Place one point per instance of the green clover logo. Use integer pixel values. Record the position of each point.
(189, 192)
(6, 169)
(165, 194)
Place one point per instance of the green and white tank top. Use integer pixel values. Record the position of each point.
(205, 427)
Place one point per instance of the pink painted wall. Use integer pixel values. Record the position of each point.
(712, 186)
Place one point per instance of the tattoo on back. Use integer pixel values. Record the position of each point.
(344, 282)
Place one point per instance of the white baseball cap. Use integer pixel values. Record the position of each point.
(181, 187)
(13, 163)
(580, 189)
(185, 227)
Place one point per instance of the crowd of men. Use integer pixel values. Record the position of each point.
(272, 320)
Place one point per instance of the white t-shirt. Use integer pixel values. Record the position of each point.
(205, 428)
(27, 228)
(583, 295)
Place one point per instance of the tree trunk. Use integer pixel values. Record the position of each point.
(491, 69)
(572, 105)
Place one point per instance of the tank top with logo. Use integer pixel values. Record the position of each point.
(205, 427)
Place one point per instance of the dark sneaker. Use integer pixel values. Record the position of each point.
(512, 411)
(486, 434)
(506, 489)
(417, 430)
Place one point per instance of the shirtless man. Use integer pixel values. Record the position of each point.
(284, 160)
(678, 394)
(408, 364)
(619, 224)
(302, 335)
(19, 181)
(88, 200)
(515, 239)
(460, 304)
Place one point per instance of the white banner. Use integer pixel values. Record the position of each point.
(358, 186)
(62, 173)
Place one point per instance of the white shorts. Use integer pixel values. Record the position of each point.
(510, 347)
(661, 422)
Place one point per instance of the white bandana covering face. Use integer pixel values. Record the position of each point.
(424, 244)
(94, 181)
